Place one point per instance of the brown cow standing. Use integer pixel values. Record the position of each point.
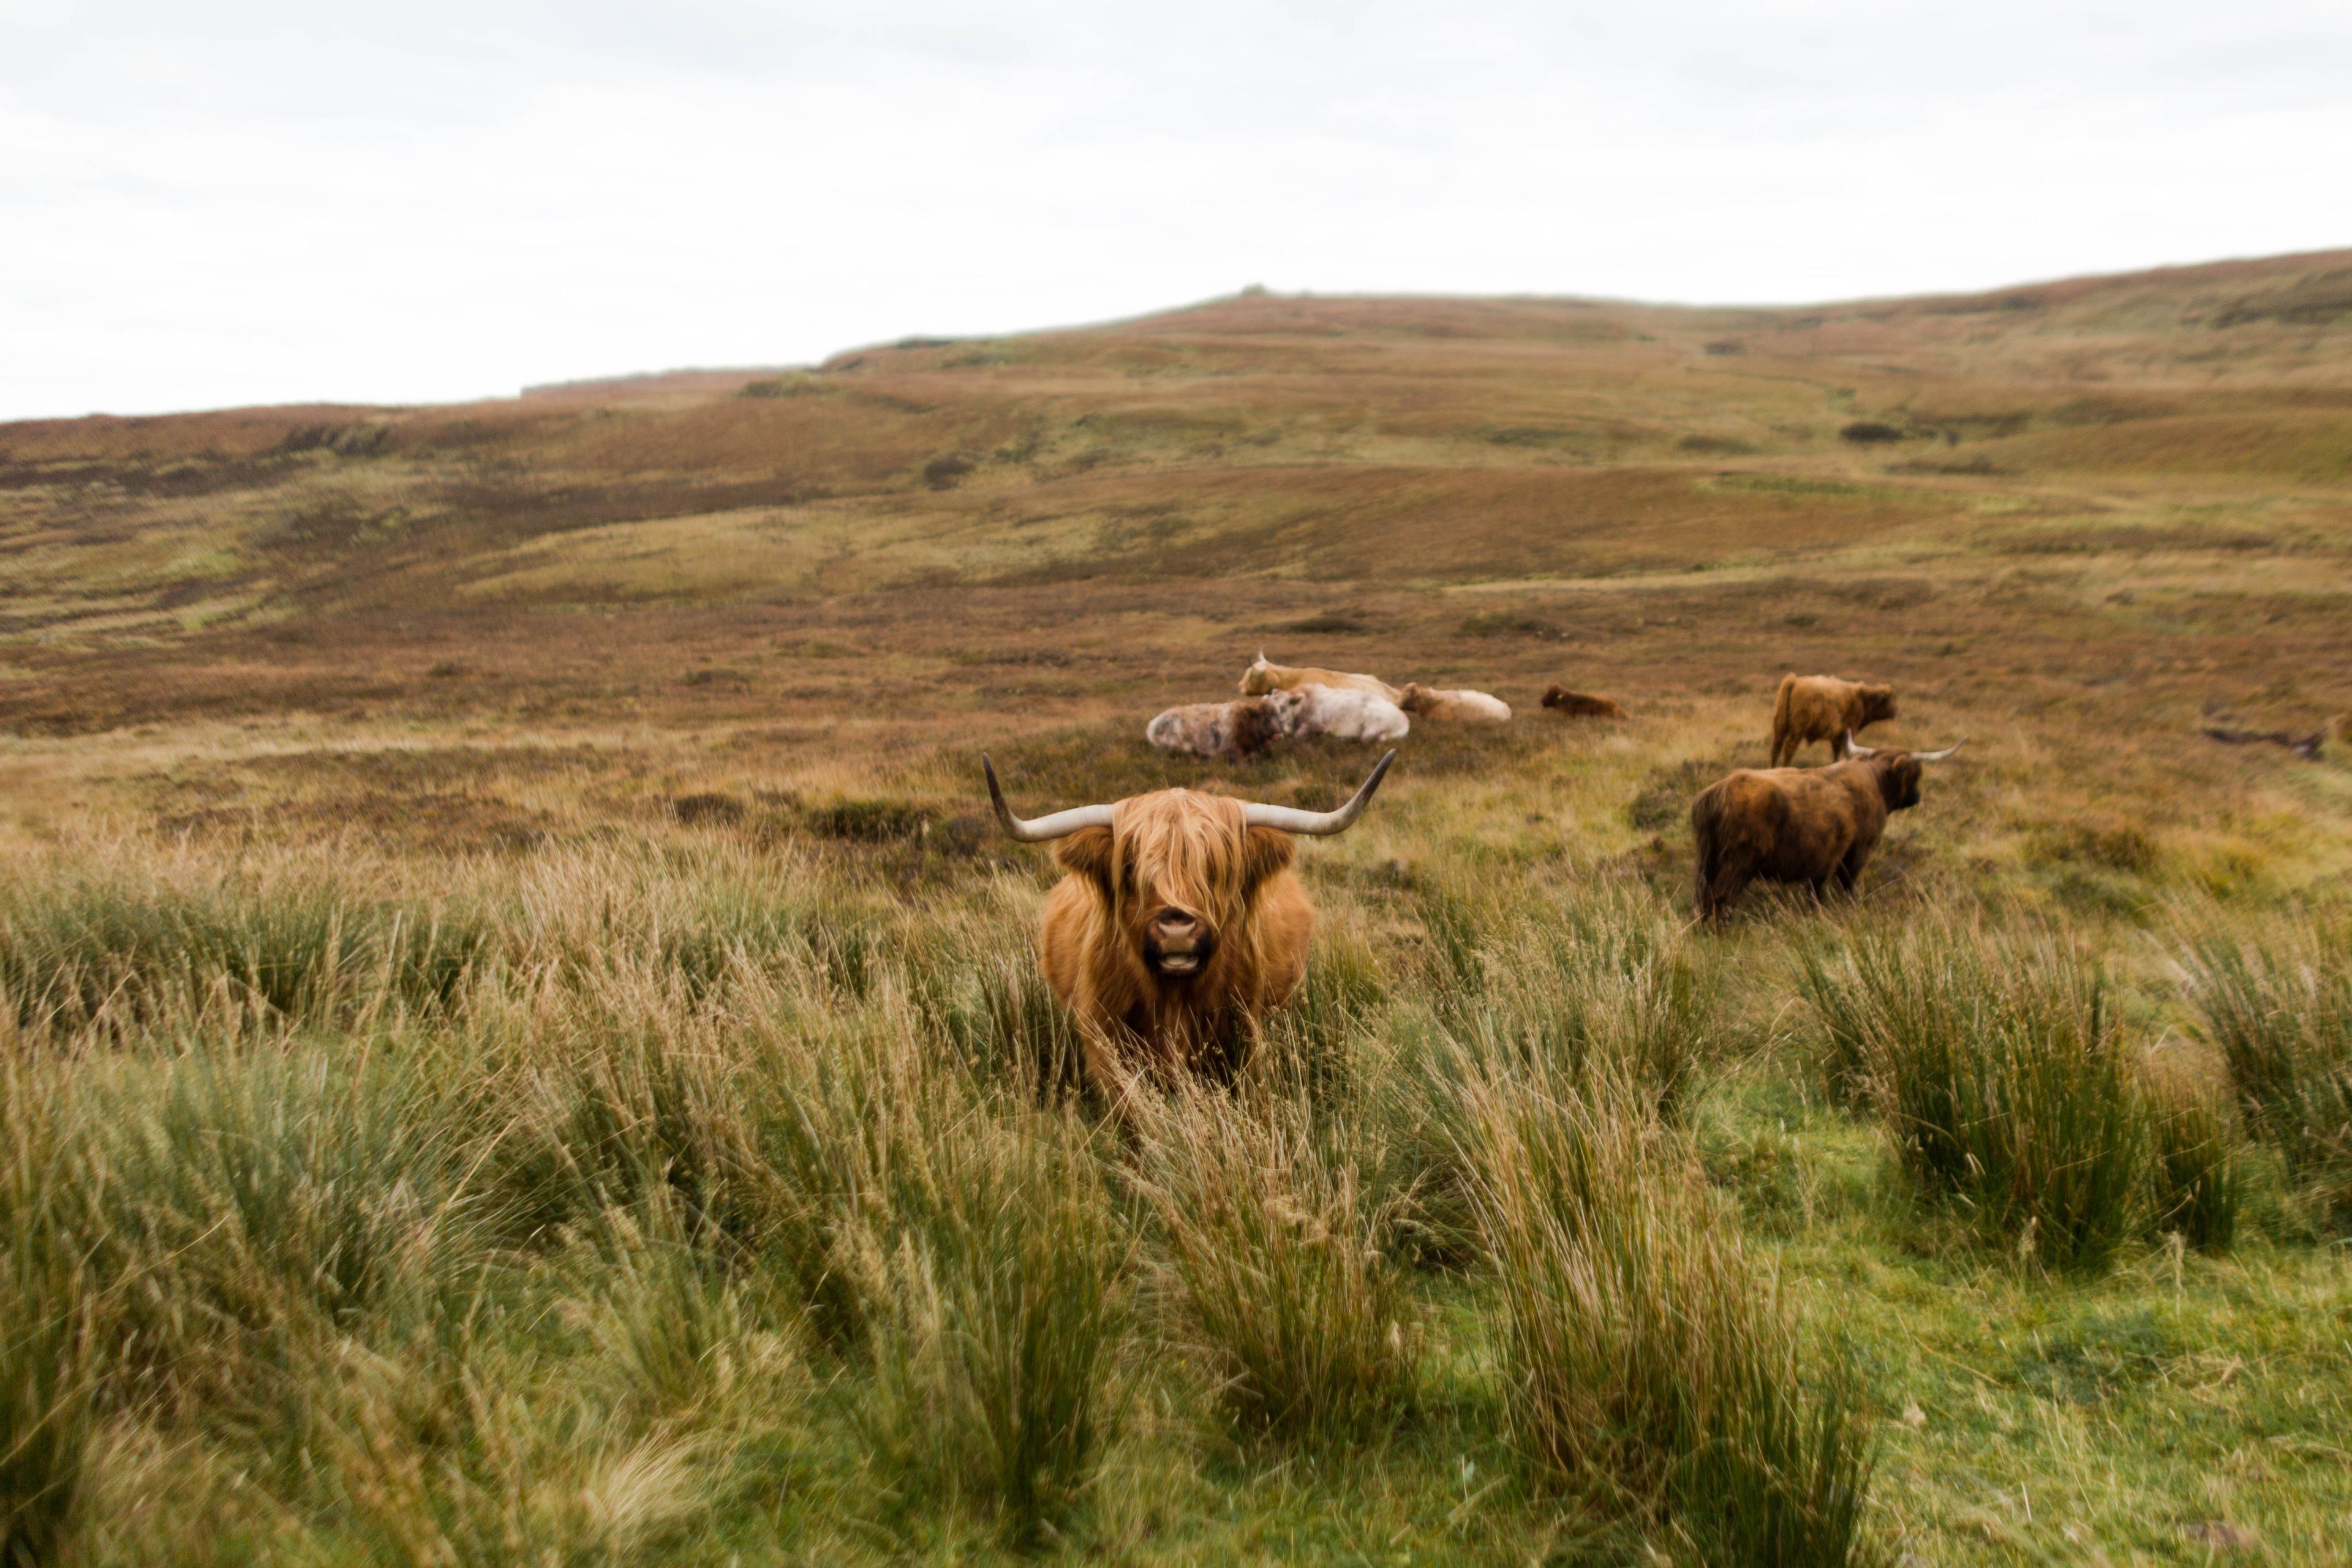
(1179, 926)
(1821, 708)
(1581, 704)
(1814, 825)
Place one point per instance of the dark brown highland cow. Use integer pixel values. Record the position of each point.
(1581, 704)
(1815, 825)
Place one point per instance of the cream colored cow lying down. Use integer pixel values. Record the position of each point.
(1460, 704)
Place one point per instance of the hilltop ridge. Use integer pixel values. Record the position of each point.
(1235, 463)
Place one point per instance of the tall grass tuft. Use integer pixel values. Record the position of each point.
(45, 1333)
(670, 1322)
(1599, 982)
(854, 1127)
(1652, 1366)
(1600, 986)
(437, 1458)
(1311, 1045)
(2199, 1179)
(1856, 991)
(994, 1318)
(2001, 1071)
(2279, 1010)
(47, 1340)
(1279, 1262)
(116, 949)
(1005, 1021)
(243, 1202)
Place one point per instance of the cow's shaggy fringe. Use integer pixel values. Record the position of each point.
(2000, 1069)
(1652, 1366)
(1279, 1263)
(2278, 1006)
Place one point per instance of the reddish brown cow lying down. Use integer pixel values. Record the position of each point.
(1815, 825)
(1179, 926)
(1821, 708)
(1581, 704)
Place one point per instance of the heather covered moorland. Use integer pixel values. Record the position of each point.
(521, 1042)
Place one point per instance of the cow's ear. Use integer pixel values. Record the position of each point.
(1087, 852)
(1265, 851)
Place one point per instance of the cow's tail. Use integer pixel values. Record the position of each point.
(1715, 879)
(1784, 718)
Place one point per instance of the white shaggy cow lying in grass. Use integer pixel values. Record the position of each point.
(1240, 730)
(1230, 729)
(1342, 714)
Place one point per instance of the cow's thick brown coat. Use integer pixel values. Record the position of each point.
(1821, 708)
(1813, 825)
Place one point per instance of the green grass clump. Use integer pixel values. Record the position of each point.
(2198, 1175)
(994, 1318)
(1598, 983)
(2001, 1069)
(1597, 980)
(2278, 1007)
(47, 1324)
(123, 950)
(242, 1204)
(1651, 1364)
(1279, 1260)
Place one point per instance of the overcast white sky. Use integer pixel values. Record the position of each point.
(247, 201)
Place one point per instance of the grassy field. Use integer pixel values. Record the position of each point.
(521, 1044)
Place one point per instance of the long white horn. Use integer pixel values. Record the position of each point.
(1937, 756)
(1853, 750)
(1037, 830)
(1320, 824)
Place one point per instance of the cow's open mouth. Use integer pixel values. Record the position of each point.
(1175, 963)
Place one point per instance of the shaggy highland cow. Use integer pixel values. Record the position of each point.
(1234, 730)
(1581, 704)
(1261, 678)
(1814, 825)
(1821, 708)
(1459, 705)
(1178, 925)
